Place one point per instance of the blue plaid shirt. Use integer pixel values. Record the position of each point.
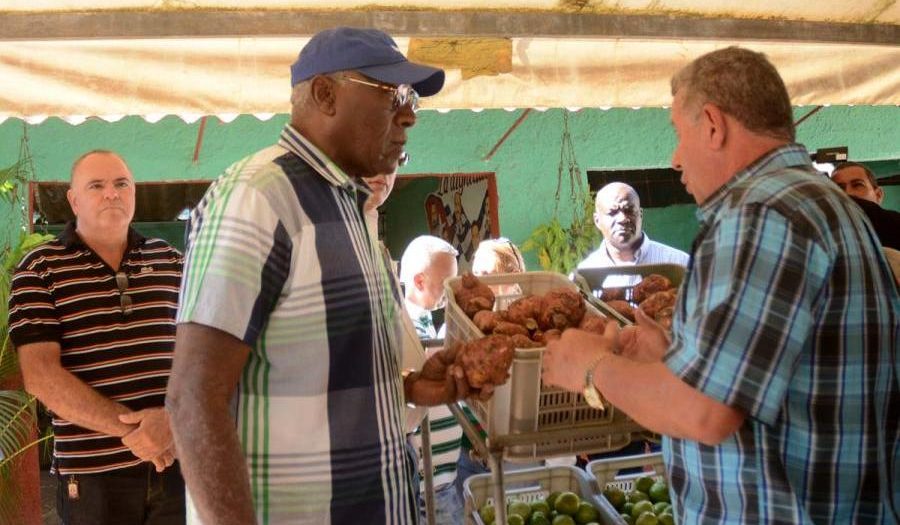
(789, 314)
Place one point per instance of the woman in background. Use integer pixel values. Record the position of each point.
(492, 256)
(498, 256)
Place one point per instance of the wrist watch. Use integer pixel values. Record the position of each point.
(404, 374)
(590, 392)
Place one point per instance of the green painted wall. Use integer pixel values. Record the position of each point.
(404, 213)
(442, 143)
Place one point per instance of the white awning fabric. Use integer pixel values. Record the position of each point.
(867, 11)
(75, 79)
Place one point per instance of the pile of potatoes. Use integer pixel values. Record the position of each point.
(655, 296)
(530, 321)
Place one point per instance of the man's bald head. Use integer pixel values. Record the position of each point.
(87, 156)
(618, 215)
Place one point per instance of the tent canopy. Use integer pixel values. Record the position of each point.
(128, 57)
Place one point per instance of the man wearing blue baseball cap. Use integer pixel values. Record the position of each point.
(286, 395)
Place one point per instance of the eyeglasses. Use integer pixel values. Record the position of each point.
(402, 95)
(124, 299)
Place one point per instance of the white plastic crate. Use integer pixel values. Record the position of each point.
(535, 484)
(605, 471)
(523, 404)
(594, 278)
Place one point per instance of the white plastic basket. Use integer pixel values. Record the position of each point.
(605, 471)
(531, 485)
(523, 404)
(594, 278)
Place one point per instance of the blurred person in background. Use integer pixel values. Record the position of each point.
(426, 263)
(619, 217)
(859, 182)
(498, 256)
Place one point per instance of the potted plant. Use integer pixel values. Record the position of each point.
(19, 481)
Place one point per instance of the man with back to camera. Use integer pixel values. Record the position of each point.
(92, 316)
(858, 181)
(619, 217)
(286, 394)
(778, 393)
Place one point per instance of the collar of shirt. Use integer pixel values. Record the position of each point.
(293, 141)
(70, 238)
(785, 156)
(421, 318)
(638, 254)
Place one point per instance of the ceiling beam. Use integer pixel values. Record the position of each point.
(222, 23)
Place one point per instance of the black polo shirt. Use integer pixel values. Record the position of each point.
(63, 292)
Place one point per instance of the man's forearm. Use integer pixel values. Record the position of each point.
(212, 464)
(659, 401)
(205, 372)
(74, 400)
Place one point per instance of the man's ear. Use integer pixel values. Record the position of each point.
(73, 204)
(597, 219)
(419, 281)
(323, 91)
(715, 129)
(879, 195)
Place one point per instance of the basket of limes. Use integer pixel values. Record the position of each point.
(640, 499)
(560, 495)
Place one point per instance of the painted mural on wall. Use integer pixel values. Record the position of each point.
(459, 212)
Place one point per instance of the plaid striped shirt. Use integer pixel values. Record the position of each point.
(280, 257)
(789, 313)
(63, 292)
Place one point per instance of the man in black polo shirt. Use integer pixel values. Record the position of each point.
(92, 315)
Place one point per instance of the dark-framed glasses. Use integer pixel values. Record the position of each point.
(124, 299)
(402, 95)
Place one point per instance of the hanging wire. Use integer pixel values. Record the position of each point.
(568, 165)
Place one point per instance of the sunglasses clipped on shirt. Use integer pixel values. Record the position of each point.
(401, 95)
(124, 299)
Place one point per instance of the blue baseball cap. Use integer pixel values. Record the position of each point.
(369, 51)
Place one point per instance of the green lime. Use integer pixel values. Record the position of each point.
(540, 506)
(644, 483)
(538, 518)
(640, 508)
(488, 514)
(626, 508)
(520, 508)
(666, 519)
(659, 492)
(647, 518)
(563, 519)
(615, 496)
(567, 503)
(635, 496)
(514, 519)
(659, 508)
(551, 499)
(628, 519)
(586, 513)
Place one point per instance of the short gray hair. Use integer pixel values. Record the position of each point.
(743, 84)
(419, 253)
(302, 91)
(91, 153)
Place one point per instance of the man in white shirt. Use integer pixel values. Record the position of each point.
(426, 263)
(618, 216)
